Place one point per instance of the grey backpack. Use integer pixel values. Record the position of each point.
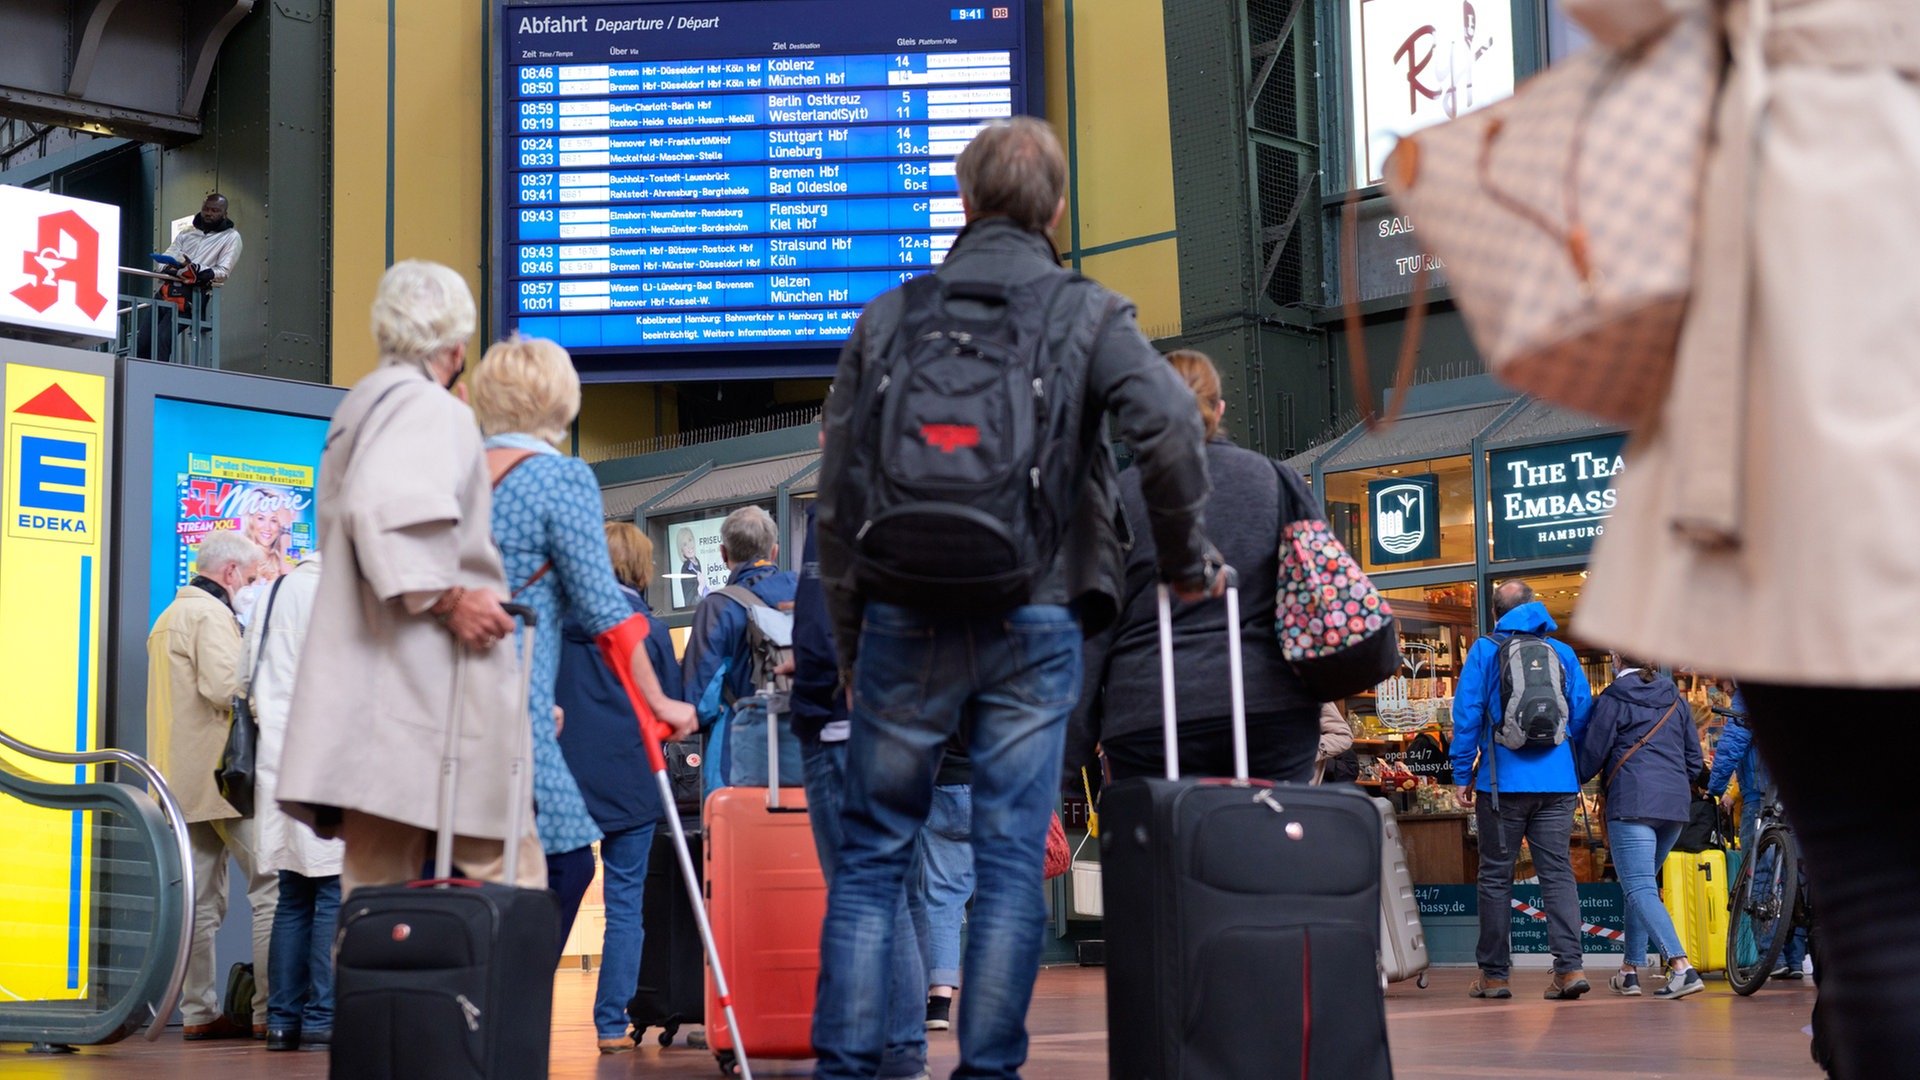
(1533, 694)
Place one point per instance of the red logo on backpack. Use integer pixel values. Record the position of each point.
(950, 437)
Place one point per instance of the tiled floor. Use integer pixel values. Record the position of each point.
(1437, 1033)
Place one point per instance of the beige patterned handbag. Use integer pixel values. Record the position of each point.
(1565, 216)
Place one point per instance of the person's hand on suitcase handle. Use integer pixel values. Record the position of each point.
(473, 616)
(1215, 578)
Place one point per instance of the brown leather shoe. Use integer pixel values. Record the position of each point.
(1565, 986)
(1488, 987)
(220, 1028)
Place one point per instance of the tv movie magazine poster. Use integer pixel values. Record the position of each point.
(269, 502)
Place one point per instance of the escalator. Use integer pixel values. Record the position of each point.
(98, 944)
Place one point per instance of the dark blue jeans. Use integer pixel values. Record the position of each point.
(1545, 821)
(300, 957)
(1015, 677)
(824, 769)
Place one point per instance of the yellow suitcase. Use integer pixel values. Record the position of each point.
(1694, 889)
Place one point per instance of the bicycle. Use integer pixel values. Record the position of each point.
(1768, 904)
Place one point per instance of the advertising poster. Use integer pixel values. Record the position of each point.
(694, 566)
(1416, 63)
(219, 467)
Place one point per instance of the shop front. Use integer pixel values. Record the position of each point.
(1475, 488)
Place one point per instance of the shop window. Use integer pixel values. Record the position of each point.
(1407, 515)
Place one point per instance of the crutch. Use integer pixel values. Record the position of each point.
(654, 733)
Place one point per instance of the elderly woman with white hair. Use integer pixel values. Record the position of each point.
(406, 618)
(547, 522)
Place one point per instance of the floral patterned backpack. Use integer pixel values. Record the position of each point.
(1335, 629)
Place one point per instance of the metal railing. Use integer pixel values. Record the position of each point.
(162, 828)
(150, 328)
(758, 426)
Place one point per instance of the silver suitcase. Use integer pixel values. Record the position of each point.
(1403, 946)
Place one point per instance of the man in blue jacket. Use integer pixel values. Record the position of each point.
(718, 665)
(1531, 794)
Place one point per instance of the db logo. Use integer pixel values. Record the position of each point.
(999, 13)
(68, 251)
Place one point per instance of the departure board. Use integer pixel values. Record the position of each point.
(700, 187)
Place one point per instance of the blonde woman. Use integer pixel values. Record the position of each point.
(547, 523)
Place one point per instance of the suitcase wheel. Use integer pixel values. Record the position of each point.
(1421, 982)
(729, 1064)
(667, 1032)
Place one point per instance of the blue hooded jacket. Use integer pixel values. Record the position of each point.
(1655, 784)
(716, 665)
(601, 736)
(1476, 703)
(1736, 756)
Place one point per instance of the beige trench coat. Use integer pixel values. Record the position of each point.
(193, 671)
(404, 508)
(1794, 423)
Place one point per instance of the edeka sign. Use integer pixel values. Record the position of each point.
(58, 262)
(1555, 499)
(52, 549)
(1403, 519)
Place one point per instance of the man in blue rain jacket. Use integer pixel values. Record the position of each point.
(1530, 793)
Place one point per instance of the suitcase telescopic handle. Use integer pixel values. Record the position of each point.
(1237, 684)
(519, 769)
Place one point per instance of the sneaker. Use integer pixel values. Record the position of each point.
(939, 1013)
(1487, 986)
(1680, 984)
(618, 1045)
(1626, 984)
(1567, 985)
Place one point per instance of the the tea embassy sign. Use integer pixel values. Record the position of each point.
(1555, 499)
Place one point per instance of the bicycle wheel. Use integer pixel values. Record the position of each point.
(1762, 911)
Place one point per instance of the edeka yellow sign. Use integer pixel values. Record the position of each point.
(51, 607)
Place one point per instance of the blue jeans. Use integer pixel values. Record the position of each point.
(1015, 677)
(824, 768)
(1639, 849)
(941, 882)
(300, 958)
(623, 866)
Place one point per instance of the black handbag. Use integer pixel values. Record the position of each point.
(234, 775)
(1336, 630)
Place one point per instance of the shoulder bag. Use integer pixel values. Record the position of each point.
(1335, 629)
(239, 759)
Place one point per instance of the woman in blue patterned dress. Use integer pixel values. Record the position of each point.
(547, 522)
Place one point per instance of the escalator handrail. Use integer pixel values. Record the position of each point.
(175, 818)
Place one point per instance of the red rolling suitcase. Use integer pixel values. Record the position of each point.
(767, 897)
(1242, 919)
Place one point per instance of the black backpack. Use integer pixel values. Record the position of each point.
(1533, 694)
(961, 456)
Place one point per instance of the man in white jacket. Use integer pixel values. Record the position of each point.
(300, 982)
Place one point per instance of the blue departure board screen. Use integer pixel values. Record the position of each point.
(716, 188)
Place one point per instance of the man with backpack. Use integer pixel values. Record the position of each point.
(727, 660)
(967, 539)
(1521, 704)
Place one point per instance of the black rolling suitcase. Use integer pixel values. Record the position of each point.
(445, 978)
(673, 970)
(1242, 921)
